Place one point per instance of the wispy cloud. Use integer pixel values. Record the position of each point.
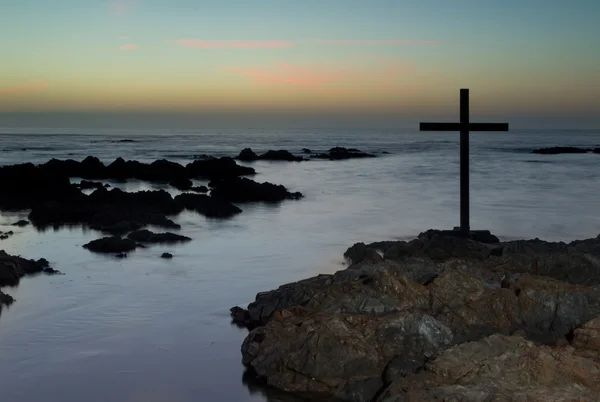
(233, 44)
(360, 42)
(129, 46)
(326, 79)
(283, 73)
(12, 89)
(120, 7)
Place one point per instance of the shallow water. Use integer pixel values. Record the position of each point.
(148, 329)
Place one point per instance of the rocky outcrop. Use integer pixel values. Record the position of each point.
(166, 256)
(246, 190)
(365, 331)
(13, 268)
(113, 244)
(146, 236)
(21, 223)
(6, 235)
(87, 185)
(561, 150)
(340, 153)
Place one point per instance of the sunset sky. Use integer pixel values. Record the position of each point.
(533, 62)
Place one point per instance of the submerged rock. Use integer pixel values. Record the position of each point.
(146, 236)
(339, 153)
(207, 206)
(561, 150)
(400, 317)
(114, 244)
(21, 223)
(166, 256)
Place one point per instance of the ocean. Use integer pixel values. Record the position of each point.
(154, 330)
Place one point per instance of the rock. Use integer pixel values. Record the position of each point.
(121, 255)
(21, 223)
(114, 244)
(500, 368)
(306, 151)
(561, 150)
(207, 206)
(6, 235)
(85, 185)
(360, 252)
(13, 268)
(166, 256)
(181, 183)
(340, 153)
(247, 155)
(146, 236)
(246, 190)
(399, 317)
(482, 236)
(217, 169)
(5, 299)
(280, 155)
(199, 189)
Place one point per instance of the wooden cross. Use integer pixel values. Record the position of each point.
(464, 127)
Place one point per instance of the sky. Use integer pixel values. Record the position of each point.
(534, 63)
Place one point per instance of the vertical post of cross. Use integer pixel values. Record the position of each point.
(464, 162)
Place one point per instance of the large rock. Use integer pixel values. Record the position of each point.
(146, 236)
(335, 335)
(214, 168)
(246, 190)
(247, 155)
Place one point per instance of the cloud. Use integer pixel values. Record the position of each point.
(233, 44)
(120, 7)
(129, 46)
(392, 42)
(12, 89)
(326, 79)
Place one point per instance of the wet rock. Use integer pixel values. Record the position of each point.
(13, 268)
(181, 183)
(114, 244)
(306, 151)
(166, 256)
(360, 252)
(6, 235)
(217, 169)
(280, 155)
(121, 255)
(340, 153)
(199, 189)
(207, 206)
(561, 150)
(146, 236)
(5, 299)
(21, 223)
(246, 190)
(247, 155)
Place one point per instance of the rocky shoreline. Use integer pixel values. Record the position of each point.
(436, 318)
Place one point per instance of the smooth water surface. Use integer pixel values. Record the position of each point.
(154, 330)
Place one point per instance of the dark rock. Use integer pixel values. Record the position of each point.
(247, 155)
(360, 252)
(121, 255)
(4, 236)
(339, 153)
(146, 236)
(85, 185)
(246, 190)
(181, 183)
(360, 391)
(280, 155)
(21, 223)
(482, 236)
(207, 206)
(596, 150)
(199, 189)
(166, 256)
(306, 151)
(240, 316)
(5, 299)
(114, 244)
(12, 268)
(561, 150)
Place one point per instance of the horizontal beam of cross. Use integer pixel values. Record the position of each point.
(459, 127)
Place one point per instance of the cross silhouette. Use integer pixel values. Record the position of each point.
(464, 127)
